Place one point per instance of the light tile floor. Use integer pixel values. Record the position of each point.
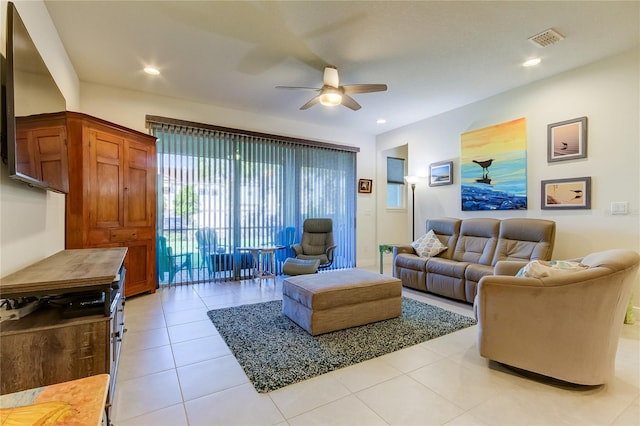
(176, 370)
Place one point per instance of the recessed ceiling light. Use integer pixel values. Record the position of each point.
(531, 62)
(151, 71)
(381, 121)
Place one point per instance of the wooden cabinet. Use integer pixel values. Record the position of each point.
(112, 194)
(45, 347)
(41, 149)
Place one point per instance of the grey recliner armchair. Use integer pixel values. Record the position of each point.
(316, 242)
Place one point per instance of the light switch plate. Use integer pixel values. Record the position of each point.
(619, 207)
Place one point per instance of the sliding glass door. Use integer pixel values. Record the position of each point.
(220, 190)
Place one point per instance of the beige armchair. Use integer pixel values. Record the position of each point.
(565, 326)
(316, 242)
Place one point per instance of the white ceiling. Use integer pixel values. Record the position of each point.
(434, 55)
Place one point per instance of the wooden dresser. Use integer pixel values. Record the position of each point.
(44, 347)
(112, 194)
(110, 185)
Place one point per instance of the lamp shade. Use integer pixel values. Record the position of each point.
(411, 179)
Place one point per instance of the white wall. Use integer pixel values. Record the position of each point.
(607, 92)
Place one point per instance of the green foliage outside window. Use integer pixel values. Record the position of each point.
(186, 203)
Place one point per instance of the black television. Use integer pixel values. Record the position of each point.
(30, 90)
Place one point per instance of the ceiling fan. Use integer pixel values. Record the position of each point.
(332, 94)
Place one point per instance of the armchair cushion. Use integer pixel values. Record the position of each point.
(428, 245)
(314, 244)
(542, 268)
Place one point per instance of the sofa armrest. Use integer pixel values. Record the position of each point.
(508, 267)
(403, 249)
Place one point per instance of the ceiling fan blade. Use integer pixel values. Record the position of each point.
(298, 87)
(349, 102)
(364, 88)
(331, 76)
(311, 103)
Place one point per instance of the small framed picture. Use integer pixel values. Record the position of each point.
(566, 194)
(365, 186)
(441, 173)
(567, 140)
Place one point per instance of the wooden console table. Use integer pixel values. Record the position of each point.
(44, 348)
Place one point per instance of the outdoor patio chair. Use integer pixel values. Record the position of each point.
(171, 263)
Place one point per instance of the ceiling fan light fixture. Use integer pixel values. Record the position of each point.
(332, 94)
(152, 70)
(331, 98)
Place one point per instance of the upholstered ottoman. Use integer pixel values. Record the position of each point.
(293, 266)
(335, 300)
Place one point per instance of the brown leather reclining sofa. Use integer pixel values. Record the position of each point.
(474, 246)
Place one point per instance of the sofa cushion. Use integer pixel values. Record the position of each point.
(428, 245)
(476, 271)
(446, 267)
(447, 230)
(410, 261)
(525, 240)
(477, 240)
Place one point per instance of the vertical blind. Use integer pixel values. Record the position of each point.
(221, 189)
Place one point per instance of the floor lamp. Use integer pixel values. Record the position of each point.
(412, 180)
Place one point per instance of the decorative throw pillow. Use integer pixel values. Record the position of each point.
(543, 269)
(428, 245)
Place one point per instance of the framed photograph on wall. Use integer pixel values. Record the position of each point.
(365, 186)
(566, 194)
(567, 140)
(441, 173)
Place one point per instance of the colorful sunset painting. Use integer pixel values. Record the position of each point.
(494, 167)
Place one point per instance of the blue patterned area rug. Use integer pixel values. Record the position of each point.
(275, 352)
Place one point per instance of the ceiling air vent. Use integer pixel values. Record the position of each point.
(546, 38)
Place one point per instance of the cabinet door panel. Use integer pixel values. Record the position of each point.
(140, 190)
(56, 355)
(140, 264)
(51, 147)
(25, 157)
(106, 177)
